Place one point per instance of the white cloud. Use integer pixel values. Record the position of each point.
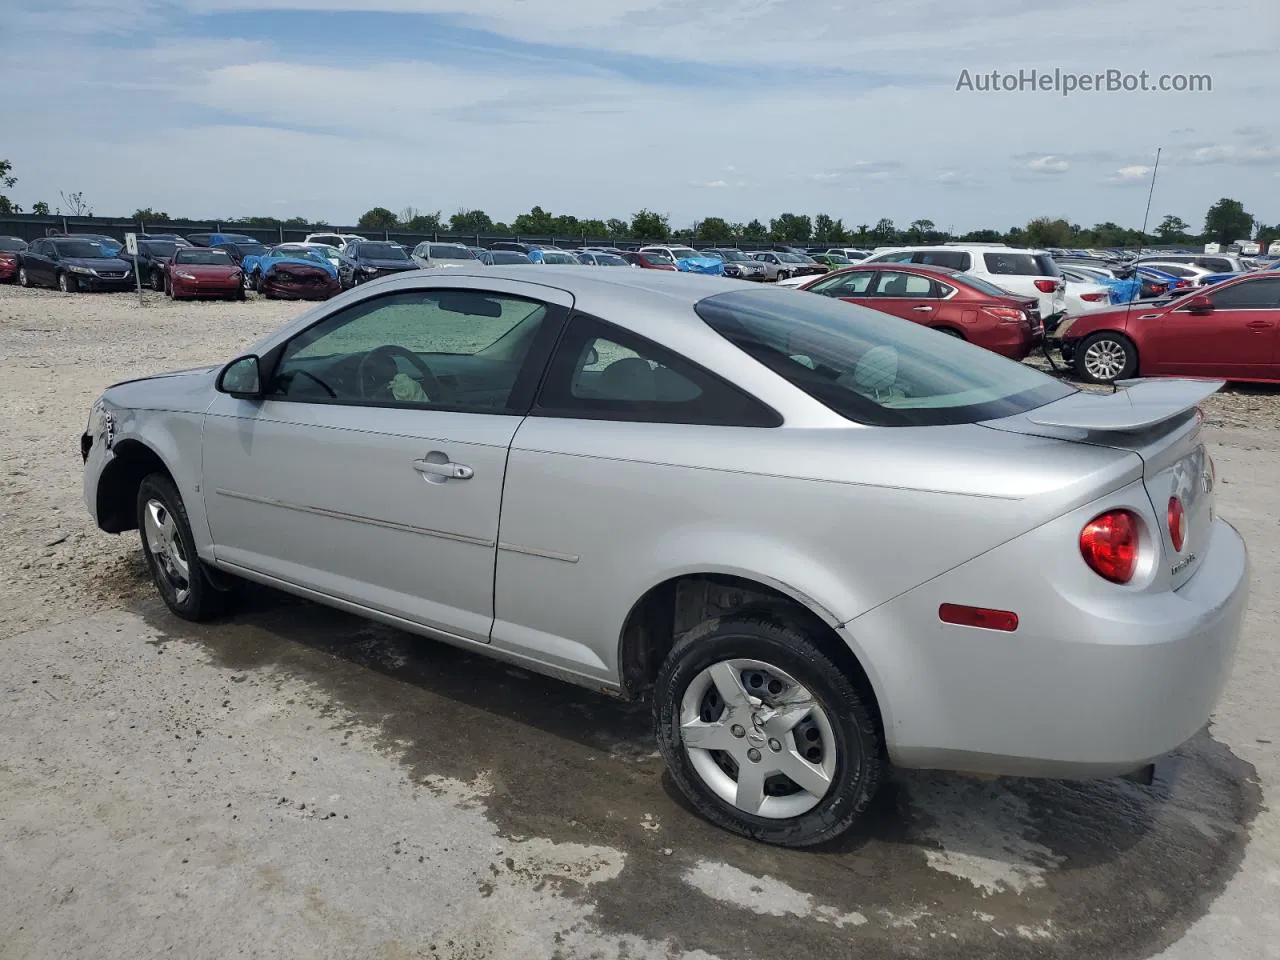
(1134, 172)
(1048, 165)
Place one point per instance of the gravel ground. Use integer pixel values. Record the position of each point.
(301, 783)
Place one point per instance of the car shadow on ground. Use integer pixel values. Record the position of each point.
(1111, 861)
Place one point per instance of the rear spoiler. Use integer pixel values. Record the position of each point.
(1138, 405)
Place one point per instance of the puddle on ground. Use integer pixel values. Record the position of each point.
(954, 866)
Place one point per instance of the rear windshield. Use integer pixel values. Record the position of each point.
(1021, 264)
(656, 259)
(982, 286)
(12, 243)
(202, 255)
(874, 368)
(610, 260)
(508, 256)
(159, 248)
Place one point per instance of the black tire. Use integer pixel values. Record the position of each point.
(252, 280)
(200, 599)
(157, 281)
(23, 279)
(847, 704)
(67, 283)
(1121, 357)
(950, 332)
(238, 295)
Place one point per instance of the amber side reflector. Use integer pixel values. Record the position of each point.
(982, 617)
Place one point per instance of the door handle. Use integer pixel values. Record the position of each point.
(923, 309)
(1259, 324)
(445, 470)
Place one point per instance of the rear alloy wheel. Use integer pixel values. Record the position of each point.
(170, 549)
(23, 280)
(1106, 357)
(67, 283)
(764, 734)
(157, 281)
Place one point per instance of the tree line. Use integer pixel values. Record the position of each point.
(1224, 222)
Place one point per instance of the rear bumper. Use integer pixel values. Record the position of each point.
(1096, 681)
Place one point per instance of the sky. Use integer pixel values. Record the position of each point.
(597, 108)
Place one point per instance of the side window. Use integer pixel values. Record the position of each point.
(955, 259)
(846, 285)
(602, 372)
(890, 283)
(452, 349)
(1249, 295)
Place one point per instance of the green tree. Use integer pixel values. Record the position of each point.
(147, 215)
(791, 228)
(983, 236)
(617, 228)
(827, 230)
(647, 225)
(863, 229)
(593, 229)
(297, 222)
(40, 208)
(421, 222)
(715, 230)
(466, 221)
(884, 232)
(1227, 221)
(1172, 229)
(920, 231)
(566, 225)
(7, 182)
(537, 222)
(1048, 232)
(378, 218)
(755, 232)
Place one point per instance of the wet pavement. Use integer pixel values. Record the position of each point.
(944, 866)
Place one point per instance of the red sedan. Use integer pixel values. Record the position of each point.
(1229, 332)
(951, 302)
(649, 261)
(203, 272)
(10, 248)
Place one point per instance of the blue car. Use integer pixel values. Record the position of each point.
(554, 256)
(257, 267)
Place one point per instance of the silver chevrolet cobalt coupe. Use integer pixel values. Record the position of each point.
(822, 539)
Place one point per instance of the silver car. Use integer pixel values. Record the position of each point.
(820, 538)
(430, 254)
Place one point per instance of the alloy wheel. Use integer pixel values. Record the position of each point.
(758, 738)
(165, 545)
(1105, 359)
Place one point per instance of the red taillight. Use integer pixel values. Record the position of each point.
(1109, 545)
(1158, 288)
(1177, 523)
(1046, 286)
(1006, 314)
(1183, 283)
(983, 617)
(8, 257)
(1093, 297)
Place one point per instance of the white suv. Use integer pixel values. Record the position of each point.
(1027, 273)
(339, 240)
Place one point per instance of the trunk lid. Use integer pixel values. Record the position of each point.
(1160, 421)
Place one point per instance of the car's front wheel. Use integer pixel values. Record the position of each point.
(1106, 357)
(23, 279)
(67, 283)
(170, 549)
(157, 281)
(764, 734)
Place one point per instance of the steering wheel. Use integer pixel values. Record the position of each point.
(378, 366)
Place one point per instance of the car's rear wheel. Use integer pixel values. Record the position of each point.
(1106, 357)
(157, 281)
(23, 279)
(764, 734)
(170, 548)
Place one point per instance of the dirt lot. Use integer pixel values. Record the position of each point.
(300, 783)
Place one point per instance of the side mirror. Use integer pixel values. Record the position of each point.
(1199, 304)
(242, 379)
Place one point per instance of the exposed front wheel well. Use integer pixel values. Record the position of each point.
(674, 607)
(118, 485)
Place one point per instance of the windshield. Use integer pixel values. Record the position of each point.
(732, 256)
(656, 259)
(836, 258)
(382, 251)
(159, 248)
(251, 249)
(792, 258)
(556, 256)
(683, 253)
(207, 257)
(874, 368)
(609, 260)
(80, 249)
(12, 243)
(508, 256)
(448, 251)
